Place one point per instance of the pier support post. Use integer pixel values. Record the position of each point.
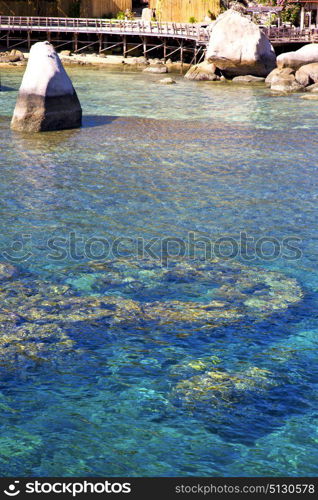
(29, 40)
(125, 45)
(144, 45)
(181, 53)
(100, 40)
(75, 42)
(165, 48)
(195, 54)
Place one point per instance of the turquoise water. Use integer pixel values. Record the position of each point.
(123, 365)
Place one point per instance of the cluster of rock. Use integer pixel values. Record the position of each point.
(295, 71)
(237, 47)
(239, 50)
(12, 57)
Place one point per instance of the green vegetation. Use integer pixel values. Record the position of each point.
(128, 14)
(120, 15)
(271, 20)
(193, 20)
(290, 14)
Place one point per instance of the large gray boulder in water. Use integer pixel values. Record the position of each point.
(47, 99)
(237, 46)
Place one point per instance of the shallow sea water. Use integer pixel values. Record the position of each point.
(100, 392)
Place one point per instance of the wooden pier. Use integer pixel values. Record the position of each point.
(100, 35)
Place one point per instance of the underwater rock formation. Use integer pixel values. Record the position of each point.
(118, 292)
(220, 386)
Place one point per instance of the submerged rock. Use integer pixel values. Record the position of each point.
(33, 341)
(167, 81)
(233, 293)
(248, 79)
(7, 271)
(47, 99)
(239, 47)
(310, 97)
(217, 386)
(156, 68)
(36, 314)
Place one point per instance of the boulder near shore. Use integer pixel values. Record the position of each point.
(204, 71)
(305, 55)
(47, 99)
(239, 47)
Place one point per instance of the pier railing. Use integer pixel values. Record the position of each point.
(185, 31)
(285, 35)
(182, 31)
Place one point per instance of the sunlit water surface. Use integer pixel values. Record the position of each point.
(115, 395)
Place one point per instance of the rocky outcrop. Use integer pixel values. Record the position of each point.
(204, 71)
(278, 73)
(12, 56)
(66, 53)
(307, 74)
(289, 80)
(306, 55)
(238, 47)
(47, 99)
(285, 83)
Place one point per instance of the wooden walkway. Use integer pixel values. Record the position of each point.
(184, 31)
(169, 38)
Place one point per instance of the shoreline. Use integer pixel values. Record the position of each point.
(105, 61)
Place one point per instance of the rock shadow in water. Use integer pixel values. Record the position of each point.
(90, 121)
(4, 88)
